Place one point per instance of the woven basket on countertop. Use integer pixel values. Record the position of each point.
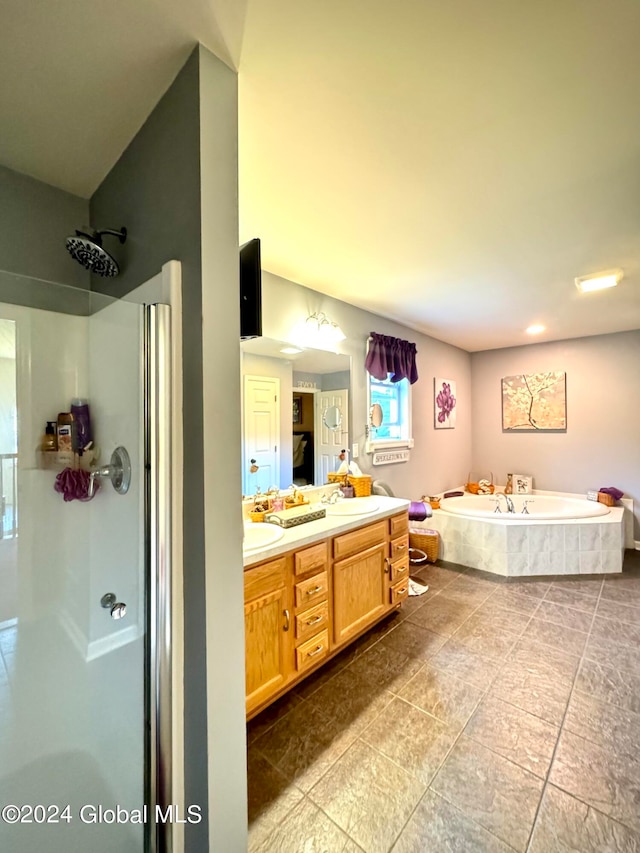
(606, 499)
(427, 541)
(361, 485)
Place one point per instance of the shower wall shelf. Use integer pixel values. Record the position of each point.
(50, 460)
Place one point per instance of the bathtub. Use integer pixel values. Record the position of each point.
(540, 507)
(561, 535)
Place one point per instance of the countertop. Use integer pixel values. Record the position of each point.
(324, 528)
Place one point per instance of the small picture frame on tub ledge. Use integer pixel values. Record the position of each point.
(522, 484)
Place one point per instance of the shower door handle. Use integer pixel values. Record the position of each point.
(117, 609)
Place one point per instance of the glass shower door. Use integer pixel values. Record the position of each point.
(72, 676)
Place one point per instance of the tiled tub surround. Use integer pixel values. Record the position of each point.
(490, 714)
(511, 546)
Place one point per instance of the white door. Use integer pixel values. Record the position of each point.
(261, 433)
(329, 443)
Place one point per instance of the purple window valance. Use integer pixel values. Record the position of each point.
(393, 356)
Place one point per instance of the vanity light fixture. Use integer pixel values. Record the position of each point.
(324, 330)
(535, 329)
(598, 281)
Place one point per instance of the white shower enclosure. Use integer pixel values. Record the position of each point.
(79, 726)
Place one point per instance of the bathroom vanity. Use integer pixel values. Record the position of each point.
(316, 590)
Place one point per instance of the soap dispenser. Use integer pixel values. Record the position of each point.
(49, 443)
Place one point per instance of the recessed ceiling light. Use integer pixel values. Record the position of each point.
(535, 329)
(598, 281)
(290, 350)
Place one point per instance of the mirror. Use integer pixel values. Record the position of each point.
(295, 417)
(332, 417)
(375, 415)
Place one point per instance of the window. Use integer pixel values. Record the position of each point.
(394, 399)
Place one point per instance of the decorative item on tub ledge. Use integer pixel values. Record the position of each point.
(480, 485)
(522, 484)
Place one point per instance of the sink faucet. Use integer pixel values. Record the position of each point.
(333, 498)
(510, 506)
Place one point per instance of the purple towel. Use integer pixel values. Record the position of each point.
(419, 510)
(616, 494)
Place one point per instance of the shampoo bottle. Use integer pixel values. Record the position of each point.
(49, 441)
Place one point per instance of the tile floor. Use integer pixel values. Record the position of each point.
(488, 715)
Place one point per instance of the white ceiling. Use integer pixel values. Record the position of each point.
(453, 165)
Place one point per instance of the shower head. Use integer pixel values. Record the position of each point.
(86, 248)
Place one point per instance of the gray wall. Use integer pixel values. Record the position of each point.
(336, 381)
(35, 218)
(601, 446)
(440, 459)
(154, 190)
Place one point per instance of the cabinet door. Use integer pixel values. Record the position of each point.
(360, 595)
(267, 645)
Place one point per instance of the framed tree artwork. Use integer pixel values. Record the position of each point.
(535, 402)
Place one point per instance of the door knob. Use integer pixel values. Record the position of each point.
(118, 609)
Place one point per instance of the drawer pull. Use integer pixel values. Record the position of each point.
(314, 590)
(315, 651)
(315, 620)
(287, 620)
(401, 547)
(402, 591)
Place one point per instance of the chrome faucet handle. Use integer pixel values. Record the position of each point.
(525, 506)
(497, 503)
(118, 471)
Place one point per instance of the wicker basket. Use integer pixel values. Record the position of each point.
(361, 485)
(606, 499)
(427, 541)
(257, 515)
(474, 487)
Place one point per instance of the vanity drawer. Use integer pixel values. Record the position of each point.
(399, 524)
(312, 651)
(399, 569)
(310, 559)
(311, 621)
(265, 578)
(399, 547)
(312, 591)
(359, 540)
(400, 591)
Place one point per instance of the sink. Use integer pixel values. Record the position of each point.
(258, 536)
(353, 506)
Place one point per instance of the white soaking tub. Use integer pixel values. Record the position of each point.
(539, 507)
(560, 534)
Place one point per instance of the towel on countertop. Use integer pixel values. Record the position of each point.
(419, 510)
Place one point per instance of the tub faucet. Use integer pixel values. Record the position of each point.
(510, 506)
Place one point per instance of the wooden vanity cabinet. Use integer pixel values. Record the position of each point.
(268, 631)
(305, 606)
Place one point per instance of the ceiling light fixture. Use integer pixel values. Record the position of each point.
(290, 350)
(535, 329)
(323, 330)
(598, 281)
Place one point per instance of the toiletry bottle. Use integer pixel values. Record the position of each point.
(65, 438)
(47, 456)
(49, 443)
(82, 436)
